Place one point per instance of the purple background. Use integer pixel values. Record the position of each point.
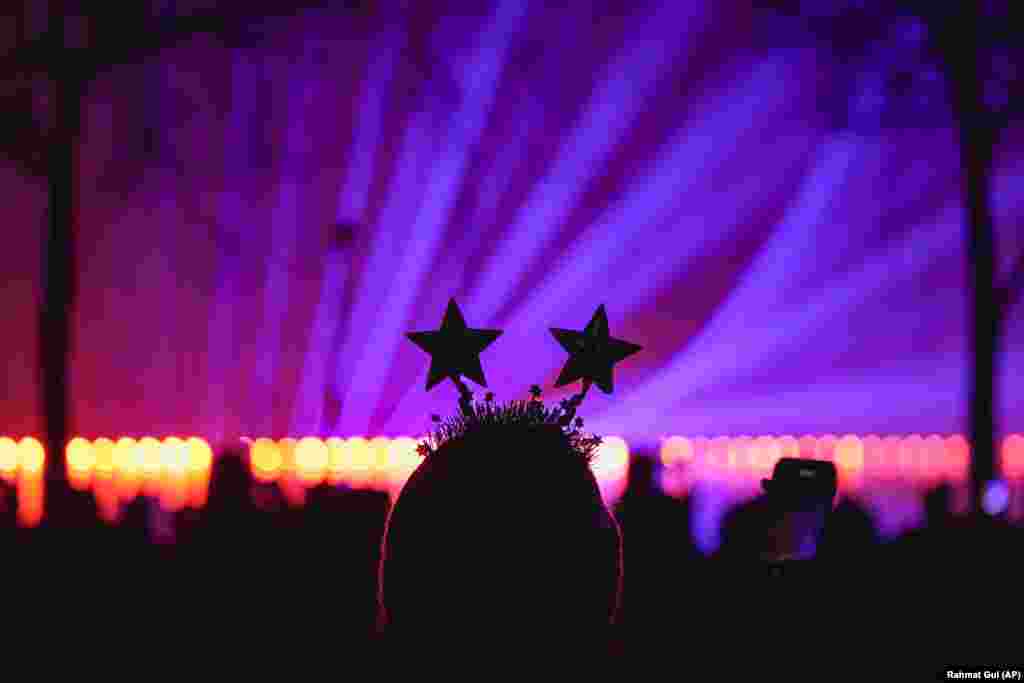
(785, 273)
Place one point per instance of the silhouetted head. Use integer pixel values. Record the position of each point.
(8, 515)
(851, 530)
(938, 505)
(801, 495)
(229, 481)
(643, 480)
(501, 527)
(745, 529)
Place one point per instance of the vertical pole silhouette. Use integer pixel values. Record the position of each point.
(59, 273)
(978, 131)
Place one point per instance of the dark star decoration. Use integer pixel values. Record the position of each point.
(592, 352)
(454, 349)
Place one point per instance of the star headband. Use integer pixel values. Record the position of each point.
(455, 351)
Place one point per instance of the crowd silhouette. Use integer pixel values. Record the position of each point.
(475, 547)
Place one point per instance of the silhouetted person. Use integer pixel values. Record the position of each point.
(501, 538)
(744, 531)
(926, 545)
(8, 519)
(7, 503)
(800, 500)
(950, 572)
(134, 525)
(851, 536)
(658, 546)
(938, 507)
(771, 581)
(227, 568)
(351, 520)
(229, 486)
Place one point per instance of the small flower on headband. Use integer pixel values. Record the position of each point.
(535, 391)
(423, 449)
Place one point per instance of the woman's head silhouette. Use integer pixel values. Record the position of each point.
(503, 526)
(500, 527)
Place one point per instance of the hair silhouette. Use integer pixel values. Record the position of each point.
(501, 527)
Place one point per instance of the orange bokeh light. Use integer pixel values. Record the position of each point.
(676, 451)
(128, 468)
(174, 480)
(768, 452)
(265, 460)
(8, 459)
(381, 464)
(611, 459)
(31, 493)
(739, 453)
(288, 481)
(31, 456)
(150, 452)
(849, 454)
(200, 463)
(789, 447)
(826, 447)
(200, 455)
(311, 461)
(849, 461)
(103, 448)
(286, 447)
(80, 461)
(403, 460)
(360, 462)
(103, 486)
(337, 460)
(177, 470)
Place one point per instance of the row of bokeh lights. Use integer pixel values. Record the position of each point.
(379, 463)
(860, 461)
(176, 471)
(22, 464)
